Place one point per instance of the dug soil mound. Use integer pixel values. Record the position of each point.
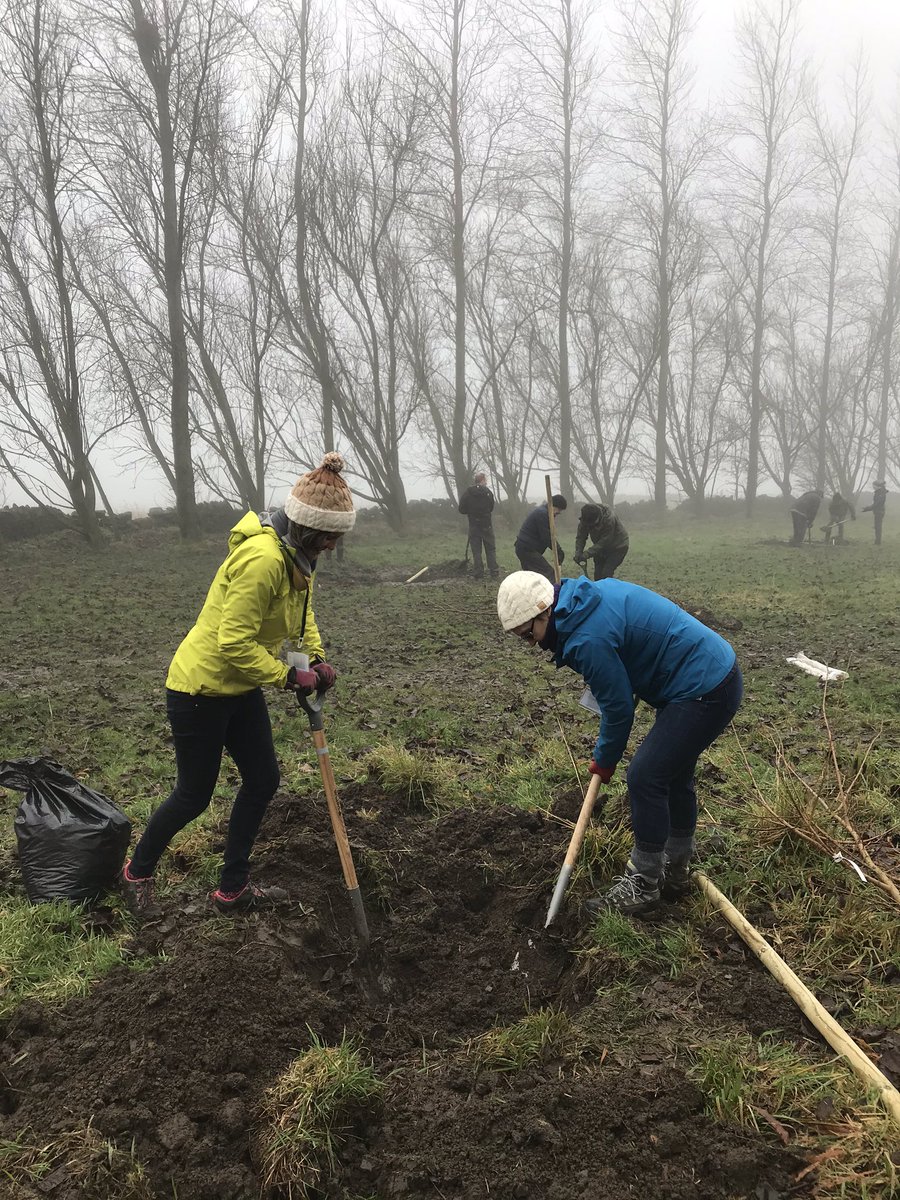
(173, 1059)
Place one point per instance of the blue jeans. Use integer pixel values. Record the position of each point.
(661, 775)
(202, 727)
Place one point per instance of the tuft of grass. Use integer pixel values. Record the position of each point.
(48, 952)
(817, 1106)
(545, 1034)
(92, 1165)
(621, 946)
(419, 777)
(305, 1112)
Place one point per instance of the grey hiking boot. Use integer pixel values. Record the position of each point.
(251, 897)
(677, 883)
(140, 895)
(632, 895)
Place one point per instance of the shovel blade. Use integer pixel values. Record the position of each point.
(558, 892)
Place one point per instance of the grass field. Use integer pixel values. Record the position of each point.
(435, 704)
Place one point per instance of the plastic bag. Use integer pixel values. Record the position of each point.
(72, 840)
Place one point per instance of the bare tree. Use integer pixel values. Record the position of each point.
(664, 148)
(46, 419)
(767, 178)
(836, 152)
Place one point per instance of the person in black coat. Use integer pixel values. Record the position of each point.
(534, 538)
(803, 512)
(477, 503)
(876, 508)
(602, 537)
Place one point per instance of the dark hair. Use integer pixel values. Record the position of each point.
(304, 538)
(590, 511)
(560, 502)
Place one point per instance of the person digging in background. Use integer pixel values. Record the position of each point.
(803, 513)
(260, 597)
(630, 643)
(477, 503)
(534, 538)
(602, 537)
(877, 507)
(839, 510)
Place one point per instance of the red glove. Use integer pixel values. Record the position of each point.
(299, 680)
(605, 773)
(326, 675)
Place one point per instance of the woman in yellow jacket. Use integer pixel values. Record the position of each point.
(260, 597)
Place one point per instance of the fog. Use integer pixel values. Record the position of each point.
(330, 250)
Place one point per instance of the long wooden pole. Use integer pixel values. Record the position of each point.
(837, 1037)
(552, 517)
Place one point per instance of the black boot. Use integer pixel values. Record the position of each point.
(250, 897)
(140, 895)
(677, 883)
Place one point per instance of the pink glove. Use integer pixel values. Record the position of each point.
(605, 773)
(326, 674)
(299, 680)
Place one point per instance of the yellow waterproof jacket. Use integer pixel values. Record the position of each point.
(249, 611)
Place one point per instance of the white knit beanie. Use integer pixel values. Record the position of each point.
(523, 595)
(321, 500)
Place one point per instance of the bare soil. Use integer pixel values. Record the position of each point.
(174, 1058)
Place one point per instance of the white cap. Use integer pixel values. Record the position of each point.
(522, 595)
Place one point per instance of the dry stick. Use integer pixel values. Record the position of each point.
(837, 1037)
(552, 518)
(417, 574)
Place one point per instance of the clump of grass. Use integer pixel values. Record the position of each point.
(419, 777)
(621, 946)
(305, 1112)
(94, 1166)
(541, 1035)
(49, 953)
(378, 874)
(817, 1106)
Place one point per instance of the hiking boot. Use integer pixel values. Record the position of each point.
(632, 895)
(677, 883)
(250, 898)
(140, 895)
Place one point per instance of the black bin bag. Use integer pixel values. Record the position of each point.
(72, 840)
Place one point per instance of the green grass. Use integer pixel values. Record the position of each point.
(816, 1105)
(49, 952)
(539, 1036)
(304, 1115)
(618, 947)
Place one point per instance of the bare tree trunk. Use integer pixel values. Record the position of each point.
(153, 51)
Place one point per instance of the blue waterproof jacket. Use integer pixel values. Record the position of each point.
(629, 642)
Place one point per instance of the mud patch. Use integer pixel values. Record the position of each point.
(174, 1059)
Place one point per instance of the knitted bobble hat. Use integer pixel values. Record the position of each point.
(320, 499)
(523, 595)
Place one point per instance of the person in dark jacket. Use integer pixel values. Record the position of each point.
(629, 643)
(602, 537)
(477, 503)
(839, 510)
(876, 508)
(804, 512)
(534, 538)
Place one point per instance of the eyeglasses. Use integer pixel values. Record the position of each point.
(529, 632)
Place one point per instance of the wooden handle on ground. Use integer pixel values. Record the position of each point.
(837, 1037)
(334, 810)
(550, 514)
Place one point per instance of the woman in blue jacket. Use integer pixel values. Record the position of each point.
(631, 644)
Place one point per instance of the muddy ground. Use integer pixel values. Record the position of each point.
(173, 1060)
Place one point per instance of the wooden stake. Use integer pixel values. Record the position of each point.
(417, 574)
(835, 1035)
(550, 514)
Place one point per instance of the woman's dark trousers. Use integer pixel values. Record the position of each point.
(202, 727)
